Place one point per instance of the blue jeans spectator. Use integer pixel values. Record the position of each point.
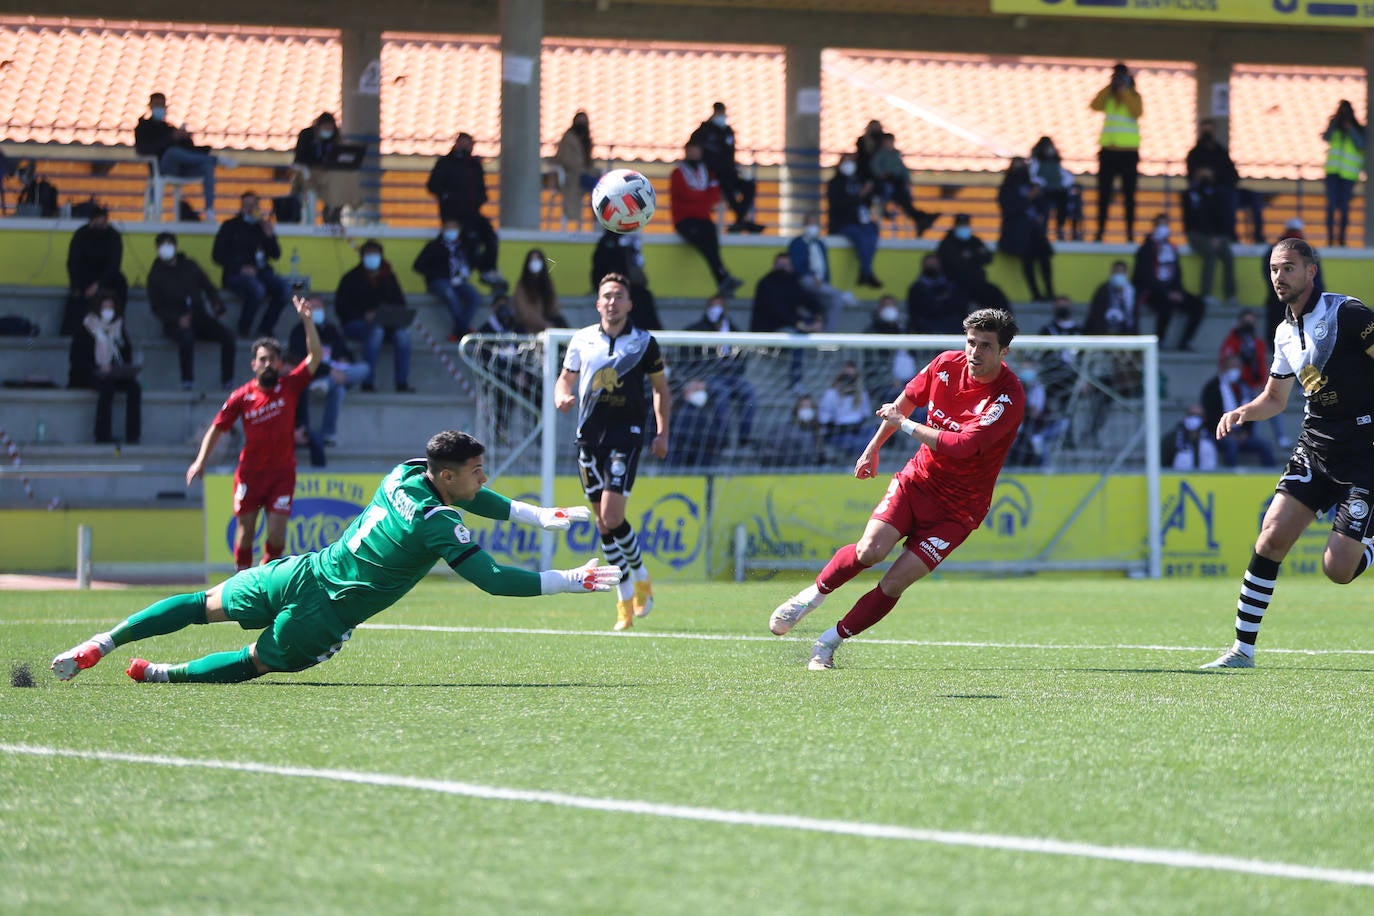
(252, 292)
(181, 162)
(333, 400)
(725, 390)
(864, 238)
(372, 336)
(1339, 192)
(461, 300)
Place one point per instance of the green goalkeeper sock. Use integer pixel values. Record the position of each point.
(166, 616)
(219, 668)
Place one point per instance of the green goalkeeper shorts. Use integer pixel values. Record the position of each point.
(287, 602)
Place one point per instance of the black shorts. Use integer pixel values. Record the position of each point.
(607, 469)
(1307, 479)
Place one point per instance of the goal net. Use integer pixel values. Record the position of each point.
(773, 424)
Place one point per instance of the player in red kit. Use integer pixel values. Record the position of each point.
(974, 405)
(266, 474)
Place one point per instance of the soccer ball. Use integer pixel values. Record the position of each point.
(623, 201)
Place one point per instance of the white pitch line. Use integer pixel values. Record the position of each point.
(938, 643)
(1135, 855)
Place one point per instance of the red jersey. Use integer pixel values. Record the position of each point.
(694, 192)
(978, 423)
(269, 420)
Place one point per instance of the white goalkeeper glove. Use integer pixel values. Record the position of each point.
(586, 578)
(555, 519)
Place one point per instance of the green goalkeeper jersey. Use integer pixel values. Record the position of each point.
(395, 542)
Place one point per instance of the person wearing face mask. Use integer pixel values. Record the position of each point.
(1208, 221)
(716, 138)
(1058, 187)
(265, 477)
(694, 193)
(697, 437)
(338, 369)
(811, 264)
(1058, 372)
(94, 257)
(964, 257)
(799, 443)
(934, 305)
(847, 197)
(102, 357)
(845, 412)
(534, 299)
(245, 247)
(1119, 156)
(188, 304)
(459, 185)
(1023, 231)
(444, 264)
(624, 254)
(886, 371)
(782, 304)
(311, 170)
(580, 174)
(1222, 394)
(725, 371)
(892, 183)
(1246, 341)
(1113, 307)
(362, 294)
(1192, 448)
(1158, 280)
(176, 152)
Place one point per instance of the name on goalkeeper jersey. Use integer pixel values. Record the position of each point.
(404, 505)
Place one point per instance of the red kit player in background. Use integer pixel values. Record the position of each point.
(974, 407)
(266, 474)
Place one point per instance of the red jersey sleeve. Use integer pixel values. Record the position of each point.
(229, 412)
(917, 390)
(299, 378)
(999, 420)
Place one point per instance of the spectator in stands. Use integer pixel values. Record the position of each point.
(868, 144)
(892, 181)
(245, 247)
(845, 413)
(1158, 281)
(459, 183)
(697, 438)
(1058, 188)
(1344, 136)
(695, 192)
(1207, 221)
(886, 371)
(716, 138)
(444, 265)
(624, 255)
(1224, 392)
(1274, 310)
(934, 305)
(337, 370)
(782, 304)
(177, 154)
(371, 309)
(509, 363)
(313, 168)
(1113, 307)
(102, 357)
(964, 257)
(848, 197)
(574, 156)
(811, 263)
(188, 304)
(1210, 153)
(94, 257)
(1246, 342)
(1058, 372)
(798, 443)
(534, 299)
(1191, 443)
(1113, 311)
(724, 369)
(1024, 233)
(1119, 156)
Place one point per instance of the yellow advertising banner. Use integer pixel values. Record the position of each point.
(668, 513)
(1331, 15)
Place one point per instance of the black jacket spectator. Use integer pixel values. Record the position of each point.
(94, 257)
(154, 137)
(460, 185)
(180, 286)
(1207, 210)
(331, 338)
(433, 261)
(781, 303)
(934, 305)
(845, 196)
(312, 149)
(237, 244)
(358, 295)
(622, 254)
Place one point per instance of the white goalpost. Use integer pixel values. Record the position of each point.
(1087, 455)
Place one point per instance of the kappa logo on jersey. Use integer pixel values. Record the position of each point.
(1003, 399)
(606, 379)
(993, 415)
(943, 376)
(461, 534)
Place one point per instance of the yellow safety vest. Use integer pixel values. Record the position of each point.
(1119, 129)
(1343, 158)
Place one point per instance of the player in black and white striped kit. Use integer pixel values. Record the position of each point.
(603, 374)
(1326, 342)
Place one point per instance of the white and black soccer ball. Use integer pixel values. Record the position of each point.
(623, 201)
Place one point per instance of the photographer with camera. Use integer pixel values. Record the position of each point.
(1119, 156)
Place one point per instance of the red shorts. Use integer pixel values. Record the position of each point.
(270, 490)
(932, 531)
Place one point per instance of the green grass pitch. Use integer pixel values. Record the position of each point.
(1036, 745)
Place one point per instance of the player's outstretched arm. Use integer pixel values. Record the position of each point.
(207, 445)
(589, 577)
(490, 504)
(491, 577)
(314, 348)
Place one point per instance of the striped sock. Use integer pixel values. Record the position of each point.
(625, 589)
(1365, 559)
(1256, 591)
(628, 542)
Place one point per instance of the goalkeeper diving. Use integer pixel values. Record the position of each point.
(307, 606)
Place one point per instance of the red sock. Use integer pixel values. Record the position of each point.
(271, 552)
(243, 556)
(867, 611)
(843, 566)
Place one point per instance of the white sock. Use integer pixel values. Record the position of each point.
(105, 643)
(830, 637)
(625, 589)
(1244, 648)
(155, 673)
(812, 595)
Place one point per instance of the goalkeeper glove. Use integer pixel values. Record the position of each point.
(586, 578)
(549, 519)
